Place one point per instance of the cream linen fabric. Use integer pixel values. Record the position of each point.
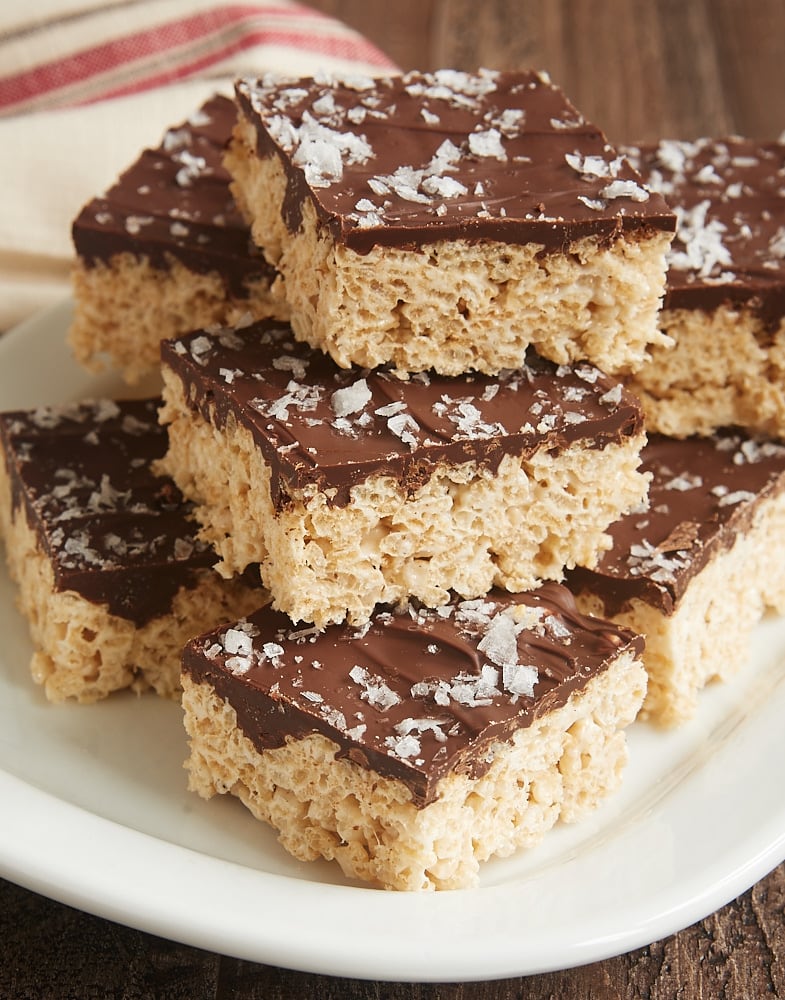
(55, 54)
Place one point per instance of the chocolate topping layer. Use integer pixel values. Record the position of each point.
(113, 532)
(704, 491)
(174, 202)
(409, 160)
(729, 199)
(416, 694)
(319, 425)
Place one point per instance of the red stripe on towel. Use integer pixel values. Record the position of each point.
(178, 39)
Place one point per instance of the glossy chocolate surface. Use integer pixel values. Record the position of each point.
(704, 492)
(416, 694)
(174, 203)
(411, 160)
(729, 199)
(113, 532)
(318, 425)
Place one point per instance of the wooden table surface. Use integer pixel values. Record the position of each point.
(641, 69)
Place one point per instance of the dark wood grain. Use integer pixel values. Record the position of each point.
(52, 952)
(641, 69)
(403, 29)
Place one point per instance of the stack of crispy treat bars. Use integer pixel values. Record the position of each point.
(696, 572)
(401, 365)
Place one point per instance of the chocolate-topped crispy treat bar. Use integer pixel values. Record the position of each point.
(696, 571)
(111, 575)
(165, 250)
(724, 306)
(415, 748)
(447, 221)
(352, 487)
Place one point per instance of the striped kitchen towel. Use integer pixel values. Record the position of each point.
(86, 84)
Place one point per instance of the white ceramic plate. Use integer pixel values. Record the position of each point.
(95, 813)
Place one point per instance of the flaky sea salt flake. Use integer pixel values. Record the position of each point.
(613, 396)
(444, 187)
(405, 427)
(519, 679)
(487, 144)
(237, 642)
(420, 726)
(375, 691)
(500, 642)
(405, 747)
(351, 398)
(625, 189)
(738, 496)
